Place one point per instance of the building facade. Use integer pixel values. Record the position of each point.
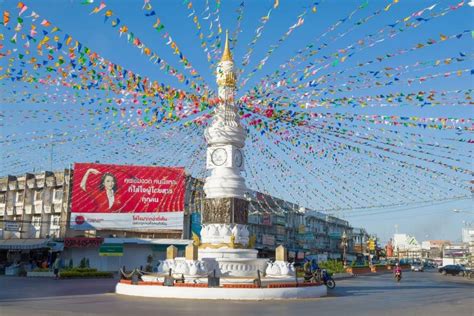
(360, 239)
(406, 247)
(35, 215)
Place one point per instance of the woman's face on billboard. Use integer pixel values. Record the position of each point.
(109, 182)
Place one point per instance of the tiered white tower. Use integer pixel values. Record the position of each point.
(225, 138)
(225, 242)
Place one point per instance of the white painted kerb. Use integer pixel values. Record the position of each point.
(221, 293)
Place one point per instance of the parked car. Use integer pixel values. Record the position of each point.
(417, 267)
(453, 269)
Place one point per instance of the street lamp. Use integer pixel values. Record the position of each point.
(344, 244)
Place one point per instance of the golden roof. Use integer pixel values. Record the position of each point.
(226, 56)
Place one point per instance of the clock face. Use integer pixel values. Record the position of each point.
(219, 156)
(238, 158)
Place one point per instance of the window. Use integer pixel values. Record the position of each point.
(36, 221)
(2, 198)
(55, 220)
(19, 197)
(38, 195)
(58, 194)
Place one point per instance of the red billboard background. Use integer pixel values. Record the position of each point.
(101, 188)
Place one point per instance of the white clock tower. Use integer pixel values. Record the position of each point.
(225, 137)
(225, 212)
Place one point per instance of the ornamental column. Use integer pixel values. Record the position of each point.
(225, 212)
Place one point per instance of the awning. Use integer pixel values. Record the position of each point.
(19, 244)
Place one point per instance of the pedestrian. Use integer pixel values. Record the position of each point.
(56, 265)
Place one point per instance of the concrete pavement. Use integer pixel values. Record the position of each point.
(424, 293)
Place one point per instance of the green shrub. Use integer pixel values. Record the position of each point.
(90, 274)
(333, 266)
(82, 264)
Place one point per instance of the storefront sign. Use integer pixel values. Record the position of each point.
(280, 230)
(111, 250)
(268, 240)
(12, 226)
(127, 197)
(83, 242)
(267, 219)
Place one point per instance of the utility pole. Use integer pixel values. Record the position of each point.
(344, 246)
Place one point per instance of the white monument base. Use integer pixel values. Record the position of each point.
(159, 291)
(223, 280)
(232, 262)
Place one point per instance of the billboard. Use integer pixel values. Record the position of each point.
(127, 197)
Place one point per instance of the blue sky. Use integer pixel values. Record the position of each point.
(114, 138)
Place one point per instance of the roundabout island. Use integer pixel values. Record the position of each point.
(222, 263)
(189, 278)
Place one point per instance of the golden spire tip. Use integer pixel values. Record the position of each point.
(226, 56)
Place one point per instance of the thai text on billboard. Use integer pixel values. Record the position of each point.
(127, 197)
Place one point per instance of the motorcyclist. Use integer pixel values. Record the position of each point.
(315, 269)
(397, 270)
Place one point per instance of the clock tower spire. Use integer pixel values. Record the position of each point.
(226, 56)
(225, 213)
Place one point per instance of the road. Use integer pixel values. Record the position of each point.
(427, 293)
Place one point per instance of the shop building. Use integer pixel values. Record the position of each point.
(33, 213)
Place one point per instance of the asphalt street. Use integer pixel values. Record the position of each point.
(421, 293)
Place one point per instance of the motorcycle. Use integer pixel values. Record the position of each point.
(320, 276)
(398, 276)
(327, 279)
